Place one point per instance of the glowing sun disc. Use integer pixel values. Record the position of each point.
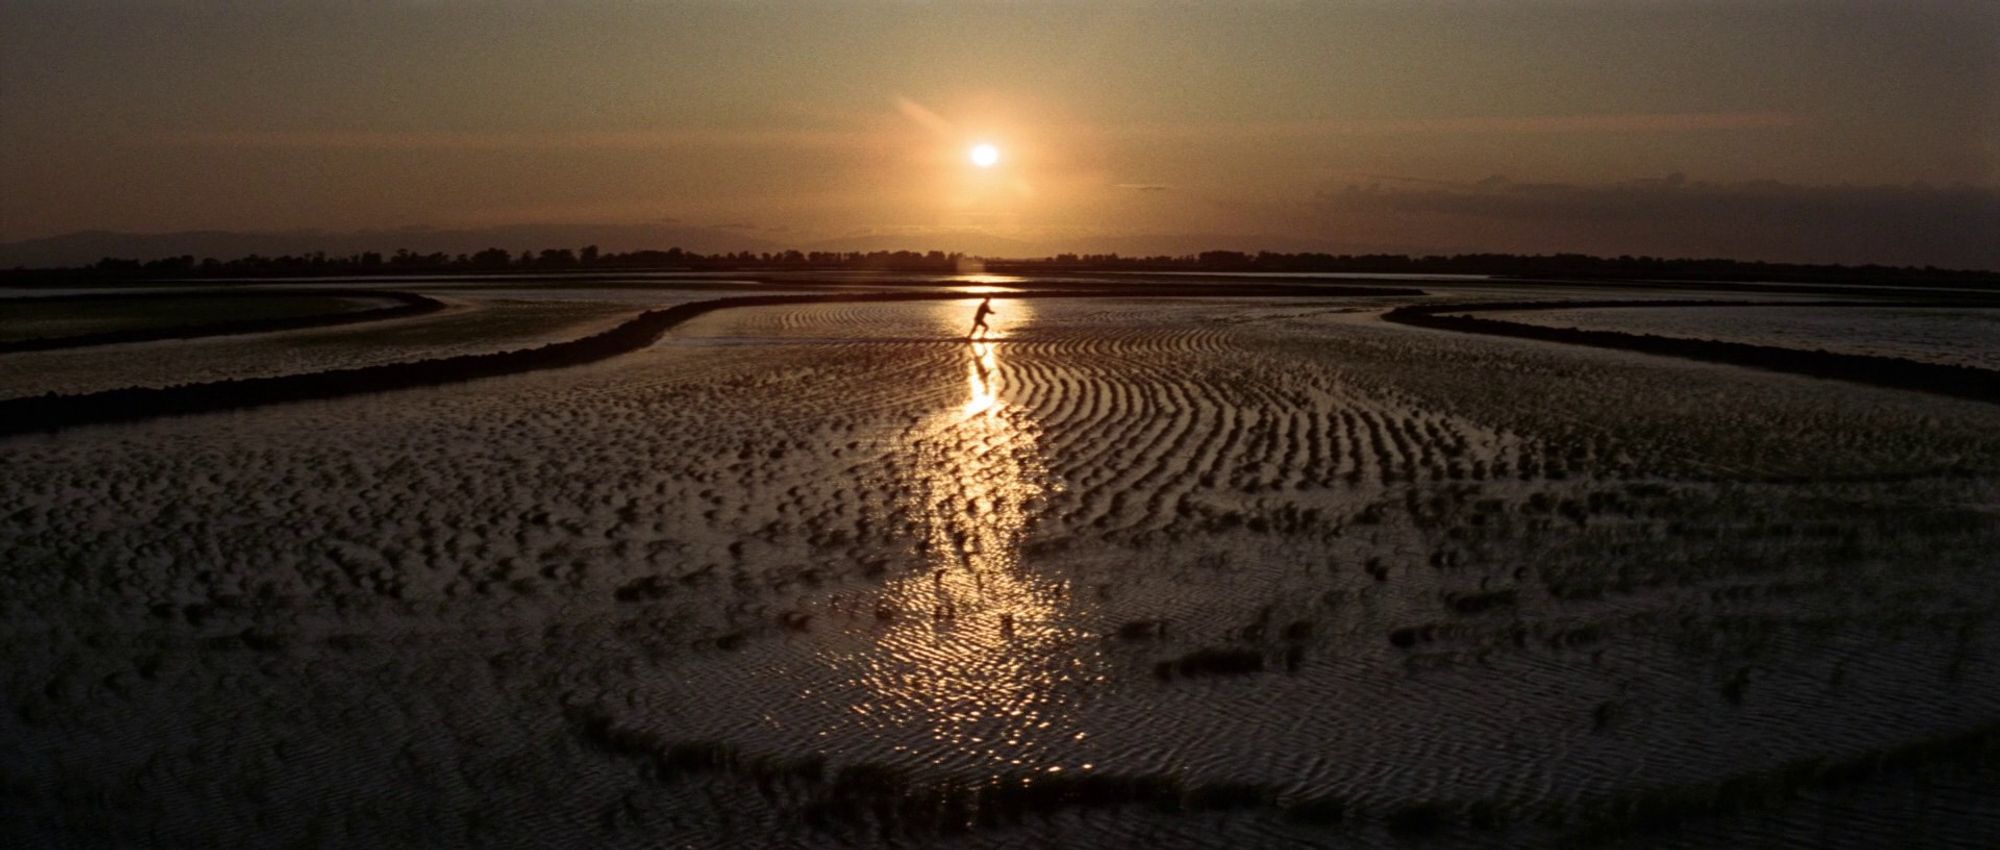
(985, 156)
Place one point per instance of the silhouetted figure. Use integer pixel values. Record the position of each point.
(979, 327)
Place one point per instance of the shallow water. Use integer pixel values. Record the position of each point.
(1960, 336)
(828, 573)
(468, 326)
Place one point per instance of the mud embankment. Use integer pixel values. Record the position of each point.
(406, 305)
(1967, 382)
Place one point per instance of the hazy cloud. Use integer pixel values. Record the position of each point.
(542, 141)
(1673, 215)
(1633, 122)
(925, 117)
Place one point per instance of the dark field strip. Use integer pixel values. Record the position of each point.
(1967, 382)
(863, 799)
(52, 412)
(407, 304)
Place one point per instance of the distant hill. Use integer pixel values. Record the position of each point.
(1175, 244)
(75, 249)
(971, 243)
(979, 244)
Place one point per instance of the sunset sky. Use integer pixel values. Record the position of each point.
(1822, 130)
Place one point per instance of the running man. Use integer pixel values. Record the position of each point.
(979, 319)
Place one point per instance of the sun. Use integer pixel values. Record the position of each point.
(985, 155)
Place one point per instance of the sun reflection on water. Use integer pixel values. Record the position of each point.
(984, 284)
(978, 652)
(979, 375)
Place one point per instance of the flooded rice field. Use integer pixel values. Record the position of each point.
(1955, 335)
(1161, 572)
(465, 326)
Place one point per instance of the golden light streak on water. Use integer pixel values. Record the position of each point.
(979, 651)
(984, 284)
(978, 377)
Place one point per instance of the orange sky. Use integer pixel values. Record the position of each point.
(1338, 125)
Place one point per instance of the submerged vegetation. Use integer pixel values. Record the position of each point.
(817, 571)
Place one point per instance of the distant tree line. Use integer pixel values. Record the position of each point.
(502, 260)
(1624, 267)
(589, 257)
